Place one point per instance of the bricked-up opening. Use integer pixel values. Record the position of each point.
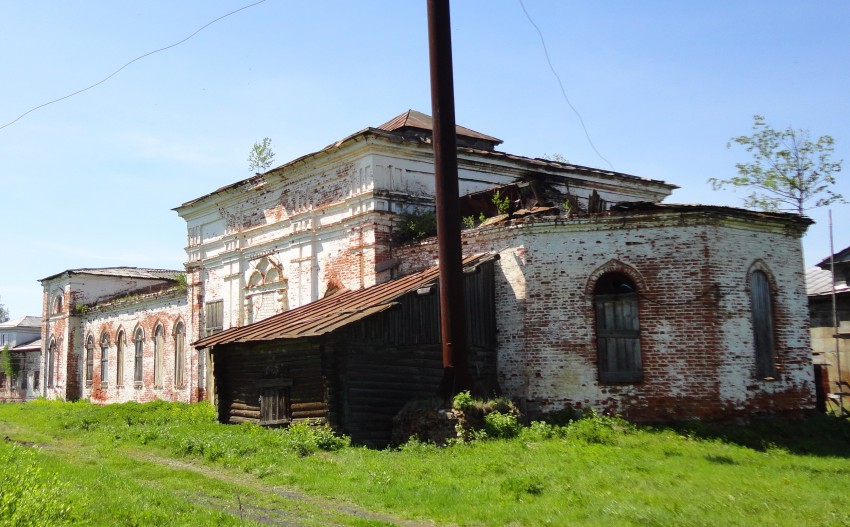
(119, 359)
(158, 345)
(615, 299)
(762, 307)
(104, 360)
(139, 341)
(89, 373)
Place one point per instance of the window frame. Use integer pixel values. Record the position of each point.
(275, 406)
(179, 354)
(617, 329)
(104, 360)
(88, 370)
(119, 358)
(51, 362)
(762, 307)
(213, 317)
(138, 357)
(158, 351)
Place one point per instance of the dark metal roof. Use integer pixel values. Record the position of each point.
(421, 121)
(333, 312)
(841, 257)
(122, 272)
(639, 206)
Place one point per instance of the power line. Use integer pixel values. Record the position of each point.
(125, 65)
(561, 84)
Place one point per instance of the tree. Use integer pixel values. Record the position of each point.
(789, 172)
(4, 313)
(261, 156)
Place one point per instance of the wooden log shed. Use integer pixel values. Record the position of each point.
(352, 359)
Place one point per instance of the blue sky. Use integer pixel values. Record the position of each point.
(662, 86)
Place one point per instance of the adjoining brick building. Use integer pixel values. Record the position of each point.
(119, 334)
(603, 296)
(20, 339)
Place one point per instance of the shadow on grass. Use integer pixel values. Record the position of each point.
(816, 435)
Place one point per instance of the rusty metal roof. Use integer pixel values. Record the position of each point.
(333, 312)
(122, 272)
(819, 283)
(421, 121)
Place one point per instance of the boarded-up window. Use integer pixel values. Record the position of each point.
(274, 406)
(762, 307)
(179, 353)
(89, 373)
(158, 344)
(213, 317)
(139, 342)
(617, 329)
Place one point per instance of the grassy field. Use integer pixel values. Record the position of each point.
(171, 464)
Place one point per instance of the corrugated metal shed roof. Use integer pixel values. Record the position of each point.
(819, 283)
(328, 314)
(22, 322)
(122, 272)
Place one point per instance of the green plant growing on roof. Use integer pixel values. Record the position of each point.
(502, 203)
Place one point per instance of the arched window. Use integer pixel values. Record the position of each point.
(762, 316)
(104, 360)
(89, 371)
(179, 353)
(158, 344)
(51, 362)
(139, 341)
(615, 300)
(119, 358)
(56, 307)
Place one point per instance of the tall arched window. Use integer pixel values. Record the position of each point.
(56, 307)
(158, 344)
(179, 353)
(139, 345)
(615, 300)
(89, 370)
(762, 314)
(51, 362)
(104, 360)
(119, 358)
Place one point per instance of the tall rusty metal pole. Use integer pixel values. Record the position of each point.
(456, 376)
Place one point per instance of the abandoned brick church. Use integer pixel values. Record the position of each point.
(308, 293)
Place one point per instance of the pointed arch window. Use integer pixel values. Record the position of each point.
(179, 353)
(615, 300)
(104, 360)
(158, 344)
(761, 302)
(89, 369)
(139, 353)
(119, 358)
(51, 362)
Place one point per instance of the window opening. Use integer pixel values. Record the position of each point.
(119, 359)
(104, 360)
(139, 341)
(179, 353)
(213, 317)
(762, 315)
(89, 373)
(617, 329)
(158, 344)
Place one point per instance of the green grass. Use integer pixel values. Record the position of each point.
(171, 464)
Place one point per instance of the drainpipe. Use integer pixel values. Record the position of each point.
(456, 376)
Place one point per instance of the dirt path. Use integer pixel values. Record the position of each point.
(263, 510)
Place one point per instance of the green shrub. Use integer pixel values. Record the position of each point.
(28, 495)
(463, 401)
(594, 427)
(501, 426)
